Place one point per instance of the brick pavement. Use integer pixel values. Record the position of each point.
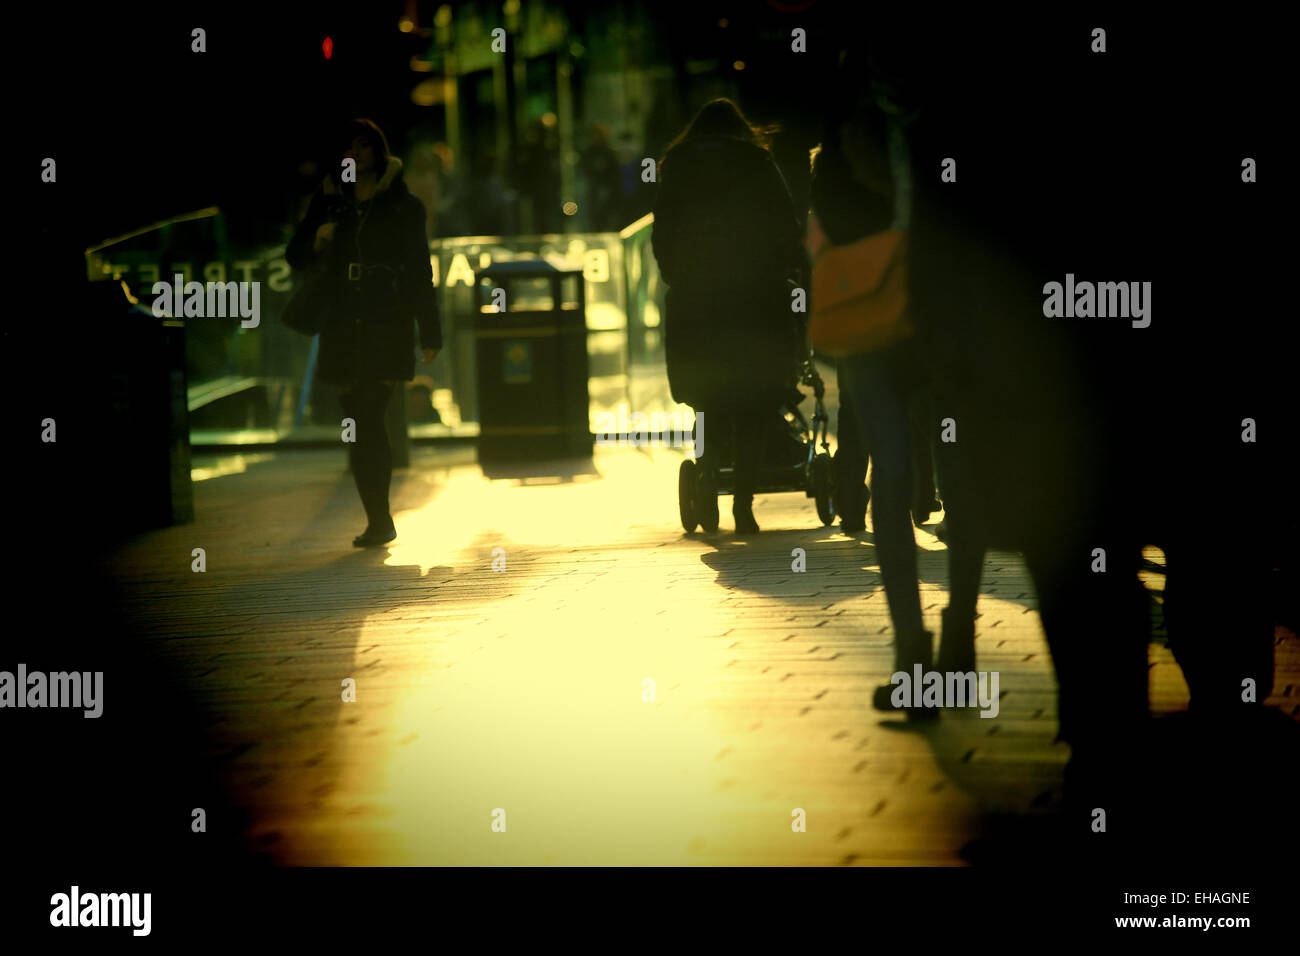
(524, 689)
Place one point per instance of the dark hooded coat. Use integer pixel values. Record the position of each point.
(369, 332)
(728, 243)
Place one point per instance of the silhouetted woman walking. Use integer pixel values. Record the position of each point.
(728, 241)
(368, 237)
(862, 185)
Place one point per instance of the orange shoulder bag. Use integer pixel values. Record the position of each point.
(859, 292)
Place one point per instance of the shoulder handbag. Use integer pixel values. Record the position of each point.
(859, 290)
(306, 310)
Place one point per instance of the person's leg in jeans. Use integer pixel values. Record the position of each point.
(883, 415)
(371, 456)
(850, 463)
(924, 502)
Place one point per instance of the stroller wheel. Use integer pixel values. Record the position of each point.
(823, 488)
(686, 475)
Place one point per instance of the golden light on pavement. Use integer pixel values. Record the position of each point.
(546, 712)
(626, 694)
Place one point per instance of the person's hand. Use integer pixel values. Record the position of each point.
(430, 355)
(324, 235)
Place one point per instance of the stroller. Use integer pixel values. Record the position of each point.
(791, 461)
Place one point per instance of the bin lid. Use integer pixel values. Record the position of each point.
(526, 268)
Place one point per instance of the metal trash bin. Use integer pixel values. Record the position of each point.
(531, 363)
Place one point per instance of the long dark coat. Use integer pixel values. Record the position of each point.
(369, 332)
(728, 242)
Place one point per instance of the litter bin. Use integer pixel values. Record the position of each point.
(143, 426)
(531, 362)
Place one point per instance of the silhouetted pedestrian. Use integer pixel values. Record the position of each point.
(604, 178)
(1035, 408)
(728, 244)
(369, 237)
(862, 186)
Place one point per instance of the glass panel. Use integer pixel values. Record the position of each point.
(256, 384)
(243, 379)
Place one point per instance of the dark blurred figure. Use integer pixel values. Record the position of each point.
(636, 196)
(481, 204)
(368, 238)
(425, 177)
(536, 178)
(1080, 440)
(449, 189)
(604, 182)
(1032, 467)
(728, 244)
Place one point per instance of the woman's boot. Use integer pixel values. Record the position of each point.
(909, 651)
(742, 510)
(851, 505)
(373, 487)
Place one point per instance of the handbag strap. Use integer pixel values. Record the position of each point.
(900, 170)
(362, 216)
(816, 236)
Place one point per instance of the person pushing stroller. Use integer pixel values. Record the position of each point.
(729, 246)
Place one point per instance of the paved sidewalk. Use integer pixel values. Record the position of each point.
(526, 689)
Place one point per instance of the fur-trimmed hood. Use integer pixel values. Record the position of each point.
(393, 170)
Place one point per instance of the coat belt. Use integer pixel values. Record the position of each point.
(356, 270)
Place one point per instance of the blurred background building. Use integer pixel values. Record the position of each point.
(536, 149)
